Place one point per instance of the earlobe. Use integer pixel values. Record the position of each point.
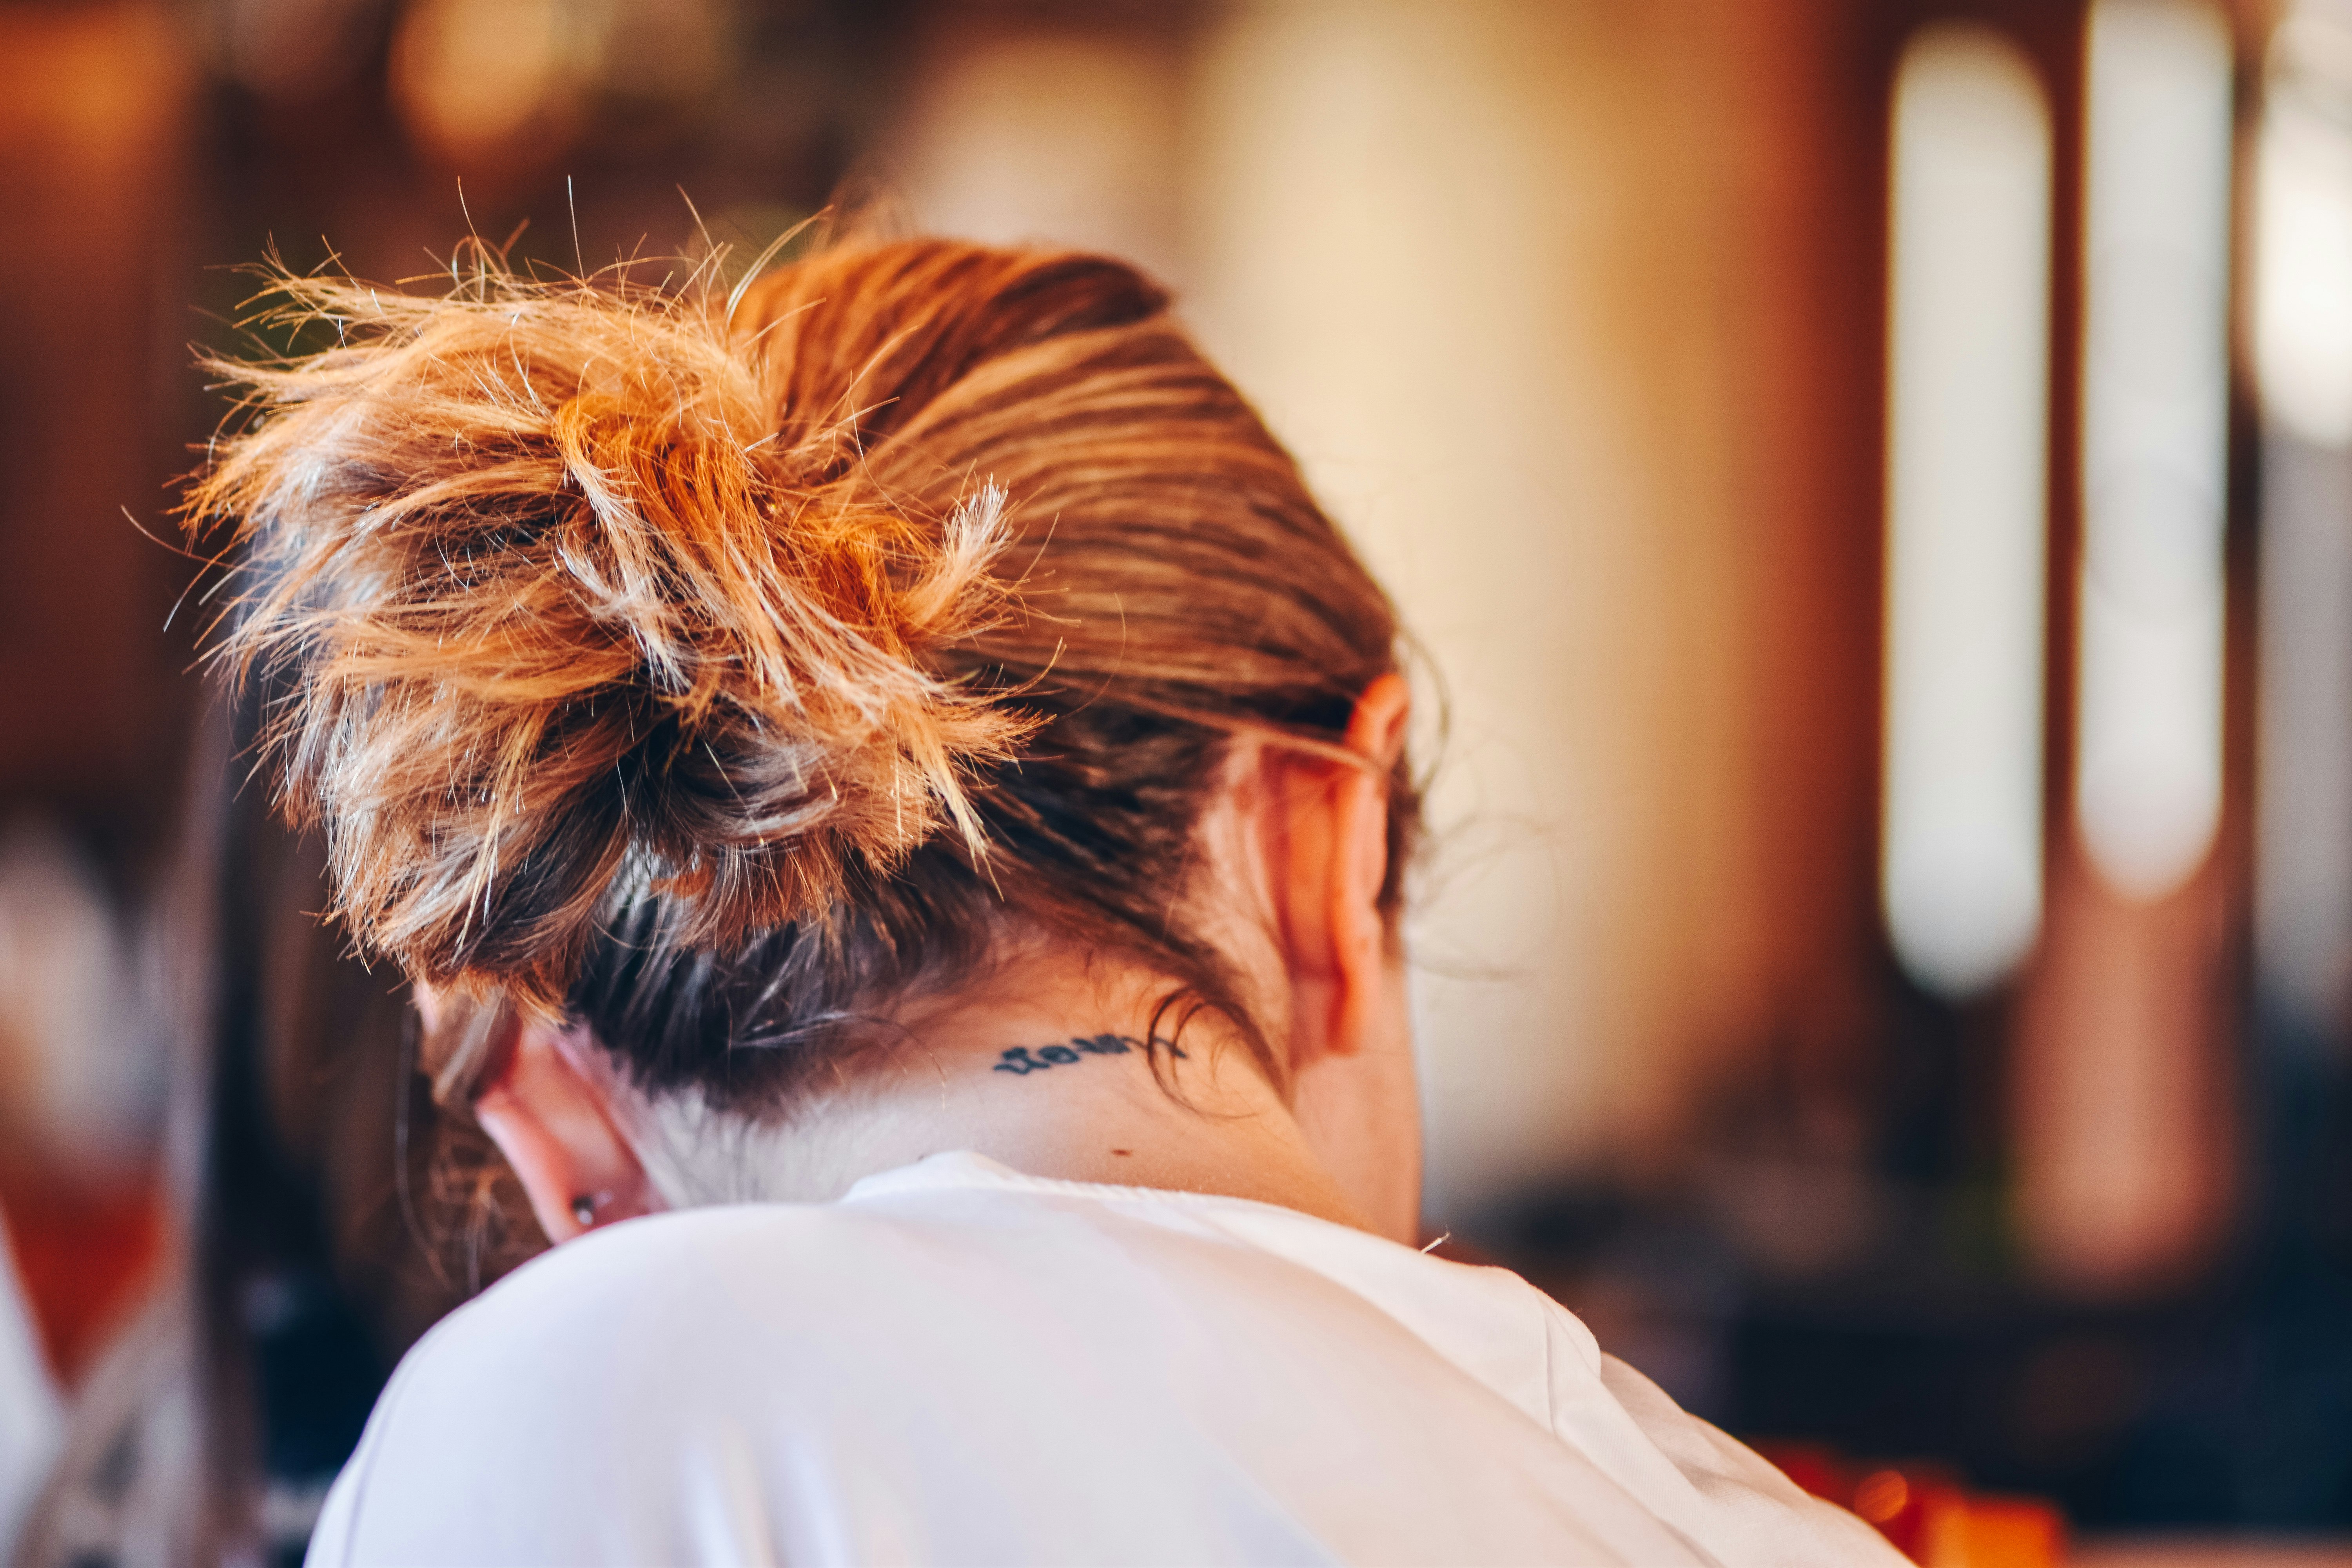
(551, 1111)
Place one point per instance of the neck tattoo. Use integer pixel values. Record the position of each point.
(1022, 1060)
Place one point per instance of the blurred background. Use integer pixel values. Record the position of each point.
(1872, 484)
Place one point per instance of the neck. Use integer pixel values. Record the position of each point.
(1047, 1071)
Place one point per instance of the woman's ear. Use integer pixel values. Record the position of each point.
(1353, 1087)
(551, 1111)
(1359, 925)
(1331, 863)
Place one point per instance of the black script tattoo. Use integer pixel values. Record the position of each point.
(1022, 1060)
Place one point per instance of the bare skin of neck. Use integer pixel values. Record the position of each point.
(1048, 1071)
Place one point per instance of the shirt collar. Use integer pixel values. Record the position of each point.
(1488, 1322)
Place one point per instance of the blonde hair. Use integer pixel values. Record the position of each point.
(716, 671)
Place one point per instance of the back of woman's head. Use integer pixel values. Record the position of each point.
(720, 673)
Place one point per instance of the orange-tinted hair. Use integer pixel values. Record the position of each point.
(717, 671)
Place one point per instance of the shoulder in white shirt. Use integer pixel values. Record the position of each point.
(957, 1364)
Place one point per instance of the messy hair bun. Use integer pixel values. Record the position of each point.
(560, 599)
(708, 670)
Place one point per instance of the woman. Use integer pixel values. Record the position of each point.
(893, 801)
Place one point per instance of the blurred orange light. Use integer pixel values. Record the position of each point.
(472, 78)
(1881, 1495)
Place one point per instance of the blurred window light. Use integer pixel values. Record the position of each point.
(1966, 520)
(2301, 332)
(2303, 231)
(2303, 810)
(2148, 761)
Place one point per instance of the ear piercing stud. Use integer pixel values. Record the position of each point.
(585, 1206)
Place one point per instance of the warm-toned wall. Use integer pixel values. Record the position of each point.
(93, 126)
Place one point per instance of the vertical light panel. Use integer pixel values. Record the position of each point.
(1967, 522)
(2148, 761)
(2302, 331)
(2303, 229)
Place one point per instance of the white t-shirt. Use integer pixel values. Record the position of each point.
(956, 1363)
